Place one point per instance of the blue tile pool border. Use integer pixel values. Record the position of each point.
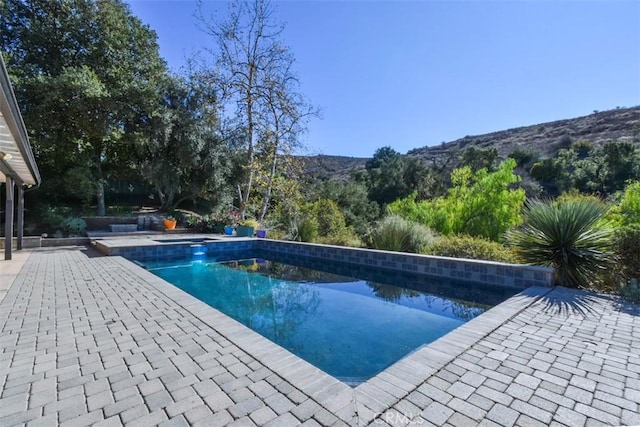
(513, 276)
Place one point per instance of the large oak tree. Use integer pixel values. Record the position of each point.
(86, 75)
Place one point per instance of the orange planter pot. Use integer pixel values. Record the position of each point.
(170, 224)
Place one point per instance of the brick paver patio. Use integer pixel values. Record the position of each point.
(91, 340)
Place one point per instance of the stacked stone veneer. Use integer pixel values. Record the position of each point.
(485, 272)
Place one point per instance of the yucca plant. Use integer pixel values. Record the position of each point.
(571, 236)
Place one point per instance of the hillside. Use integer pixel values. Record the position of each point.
(543, 138)
(547, 138)
(332, 167)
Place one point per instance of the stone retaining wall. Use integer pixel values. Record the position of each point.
(65, 241)
(102, 222)
(27, 242)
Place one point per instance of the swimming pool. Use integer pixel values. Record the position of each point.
(350, 327)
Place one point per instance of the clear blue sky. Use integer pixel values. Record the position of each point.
(413, 73)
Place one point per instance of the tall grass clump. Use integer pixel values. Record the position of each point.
(394, 233)
(569, 235)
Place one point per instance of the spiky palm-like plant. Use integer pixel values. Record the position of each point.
(571, 236)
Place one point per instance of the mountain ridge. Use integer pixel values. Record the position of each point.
(543, 138)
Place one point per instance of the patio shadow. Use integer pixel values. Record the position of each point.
(566, 302)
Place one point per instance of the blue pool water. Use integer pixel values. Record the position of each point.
(351, 328)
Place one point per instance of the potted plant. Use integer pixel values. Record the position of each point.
(247, 228)
(261, 233)
(170, 223)
(230, 220)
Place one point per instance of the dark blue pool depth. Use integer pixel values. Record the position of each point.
(352, 328)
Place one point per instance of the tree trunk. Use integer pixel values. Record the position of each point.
(102, 208)
(267, 195)
(249, 101)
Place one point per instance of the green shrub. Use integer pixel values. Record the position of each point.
(394, 233)
(480, 203)
(330, 218)
(628, 210)
(278, 233)
(346, 237)
(323, 222)
(205, 224)
(214, 226)
(307, 230)
(52, 219)
(523, 156)
(193, 221)
(570, 235)
(75, 226)
(627, 250)
(250, 223)
(469, 247)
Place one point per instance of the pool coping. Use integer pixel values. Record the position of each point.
(371, 398)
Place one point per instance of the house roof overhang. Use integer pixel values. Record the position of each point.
(16, 157)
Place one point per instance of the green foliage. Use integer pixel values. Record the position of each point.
(352, 199)
(583, 149)
(85, 75)
(51, 219)
(479, 204)
(523, 156)
(411, 209)
(345, 237)
(330, 218)
(391, 176)
(79, 182)
(552, 174)
(57, 221)
(479, 158)
(571, 236)
(627, 250)
(308, 230)
(586, 168)
(75, 226)
(394, 233)
(627, 212)
(323, 222)
(626, 216)
(183, 157)
(575, 196)
(205, 224)
(193, 220)
(250, 223)
(621, 163)
(469, 247)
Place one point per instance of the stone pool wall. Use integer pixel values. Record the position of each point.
(179, 250)
(485, 272)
